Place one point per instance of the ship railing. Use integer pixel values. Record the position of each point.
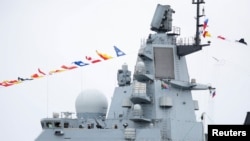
(185, 41)
(175, 31)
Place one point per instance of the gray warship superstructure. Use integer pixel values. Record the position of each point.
(153, 104)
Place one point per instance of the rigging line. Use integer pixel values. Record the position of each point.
(209, 117)
(191, 128)
(210, 99)
(235, 65)
(47, 96)
(81, 79)
(238, 65)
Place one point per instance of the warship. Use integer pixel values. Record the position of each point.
(153, 104)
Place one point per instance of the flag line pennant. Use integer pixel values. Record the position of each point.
(74, 65)
(41, 71)
(104, 56)
(205, 24)
(118, 52)
(212, 92)
(205, 34)
(164, 85)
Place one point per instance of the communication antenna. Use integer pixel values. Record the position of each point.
(198, 25)
(183, 50)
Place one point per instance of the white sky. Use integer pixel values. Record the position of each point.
(49, 33)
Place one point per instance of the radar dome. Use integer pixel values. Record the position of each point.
(91, 103)
(140, 67)
(137, 107)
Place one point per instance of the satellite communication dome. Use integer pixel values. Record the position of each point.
(140, 67)
(125, 66)
(137, 107)
(91, 102)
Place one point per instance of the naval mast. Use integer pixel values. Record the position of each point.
(153, 104)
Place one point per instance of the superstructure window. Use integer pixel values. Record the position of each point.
(49, 124)
(66, 125)
(58, 124)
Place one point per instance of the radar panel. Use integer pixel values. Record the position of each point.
(164, 63)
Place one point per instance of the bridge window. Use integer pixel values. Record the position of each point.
(49, 125)
(58, 124)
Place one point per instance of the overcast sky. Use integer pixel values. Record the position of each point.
(46, 34)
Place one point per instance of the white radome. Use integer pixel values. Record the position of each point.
(91, 101)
